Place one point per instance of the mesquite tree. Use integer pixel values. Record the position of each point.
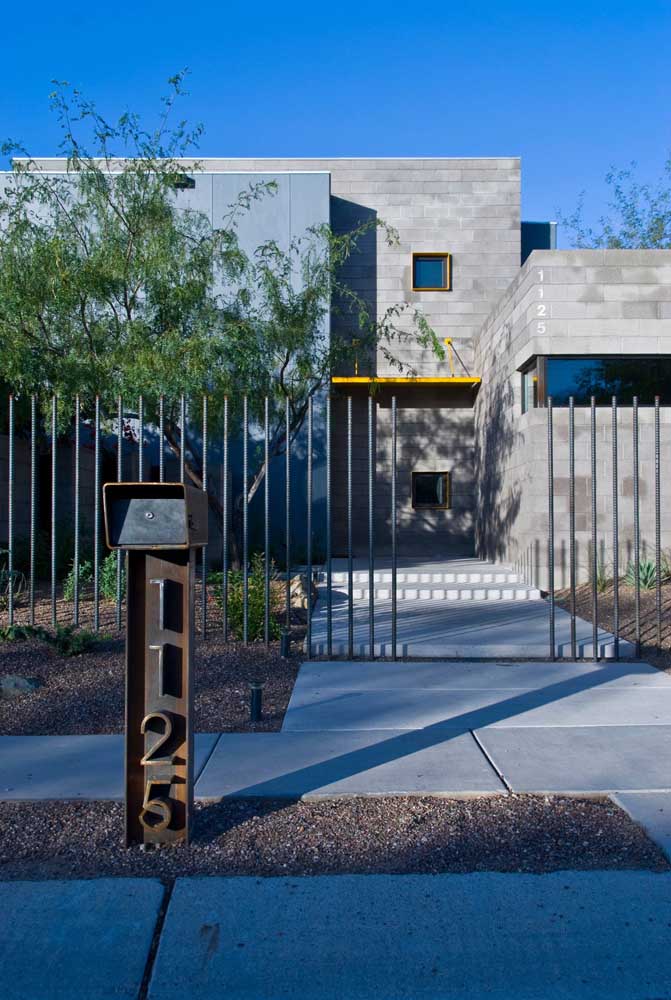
(110, 287)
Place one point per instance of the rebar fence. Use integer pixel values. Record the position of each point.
(55, 571)
(603, 489)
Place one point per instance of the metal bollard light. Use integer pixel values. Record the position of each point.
(285, 642)
(256, 701)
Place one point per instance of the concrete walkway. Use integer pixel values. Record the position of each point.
(487, 628)
(561, 936)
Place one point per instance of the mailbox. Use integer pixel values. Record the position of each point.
(154, 516)
(160, 526)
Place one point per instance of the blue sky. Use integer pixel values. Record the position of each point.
(571, 87)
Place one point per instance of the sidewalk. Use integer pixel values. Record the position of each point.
(561, 936)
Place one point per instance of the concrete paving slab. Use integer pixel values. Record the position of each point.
(653, 811)
(72, 767)
(576, 702)
(581, 759)
(311, 765)
(561, 936)
(460, 629)
(377, 675)
(85, 939)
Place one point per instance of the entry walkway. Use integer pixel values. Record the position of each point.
(449, 608)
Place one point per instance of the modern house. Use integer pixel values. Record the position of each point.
(522, 321)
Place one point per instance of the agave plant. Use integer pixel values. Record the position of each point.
(647, 573)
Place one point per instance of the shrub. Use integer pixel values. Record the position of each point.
(107, 578)
(66, 640)
(256, 599)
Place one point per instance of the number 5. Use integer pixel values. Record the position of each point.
(150, 806)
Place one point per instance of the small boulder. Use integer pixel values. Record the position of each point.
(298, 590)
(12, 685)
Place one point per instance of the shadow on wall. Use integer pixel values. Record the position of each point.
(358, 273)
(497, 507)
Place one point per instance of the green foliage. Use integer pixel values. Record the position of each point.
(640, 214)
(107, 578)
(16, 578)
(256, 605)
(64, 547)
(647, 573)
(66, 639)
(110, 284)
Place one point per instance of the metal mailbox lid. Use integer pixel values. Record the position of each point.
(154, 516)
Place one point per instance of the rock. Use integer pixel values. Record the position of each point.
(298, 590)
(12, 685)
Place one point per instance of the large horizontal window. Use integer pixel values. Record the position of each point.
(602, 377)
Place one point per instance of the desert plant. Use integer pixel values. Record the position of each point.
(16, 577)
(602, 579)
(107, 578)
(647, 573)
(66, 639)
(256, 598)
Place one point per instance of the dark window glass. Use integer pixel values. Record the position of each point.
(430, 271)
(430, 489)
(604, 378)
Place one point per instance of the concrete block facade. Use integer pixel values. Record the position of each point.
(592, 302)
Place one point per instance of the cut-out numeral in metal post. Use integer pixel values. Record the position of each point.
(160, 525)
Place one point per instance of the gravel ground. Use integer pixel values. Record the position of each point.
(356, 835)
(660, 657)
(85, 694)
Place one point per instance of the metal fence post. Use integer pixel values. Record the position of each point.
(393, 530)
(658, 527)
(224, 526)
(33, 502)
(10, 514)
(308, 573)
(637, 529)
(616, 539)
(203, 553)
(371, 530)
(54, 449)
(266, 522)
(572, 549)
(96, 520)
(76, 524)
(245, 521)
(329, 569)
(350, 564)
(551, 530)
(595, 554)
(119, 477)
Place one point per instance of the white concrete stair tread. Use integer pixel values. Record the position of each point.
(561, 936)
(484, 592)
(72, 767)
(581, 759)
(481, 577)
(652, 810)
(460, 629)
(87, 939)
(313, 765)
(577, 702)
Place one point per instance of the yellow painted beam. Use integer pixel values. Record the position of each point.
(395, 380)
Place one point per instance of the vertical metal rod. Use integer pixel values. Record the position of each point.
(140, 420)
(572, 552)
(161, 438)
(33, 501)
(203, 556)
(616, 539)
(371, 528)
(224, 527)
(76, 525)
(266, 522)
(308, 573)
(551, 530)
(54, 428)
(658, 527)
(393, 530)
(329, 568)
(245, 521)
(119, 476)
(182, 437)
(595, 553)
(10, 514)
(637, 529)
(350, 563)
(287, 526)
(96, 520)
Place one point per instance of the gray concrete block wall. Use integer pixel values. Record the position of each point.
(590, 299)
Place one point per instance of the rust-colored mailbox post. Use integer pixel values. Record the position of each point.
(159, 525)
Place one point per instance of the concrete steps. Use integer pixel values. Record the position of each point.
(479, 577)
(475, 593)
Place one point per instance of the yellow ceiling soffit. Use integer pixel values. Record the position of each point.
(399, 380)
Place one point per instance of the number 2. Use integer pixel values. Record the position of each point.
(150, 758)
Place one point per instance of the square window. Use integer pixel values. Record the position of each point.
(430, 489)
(431, 272)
